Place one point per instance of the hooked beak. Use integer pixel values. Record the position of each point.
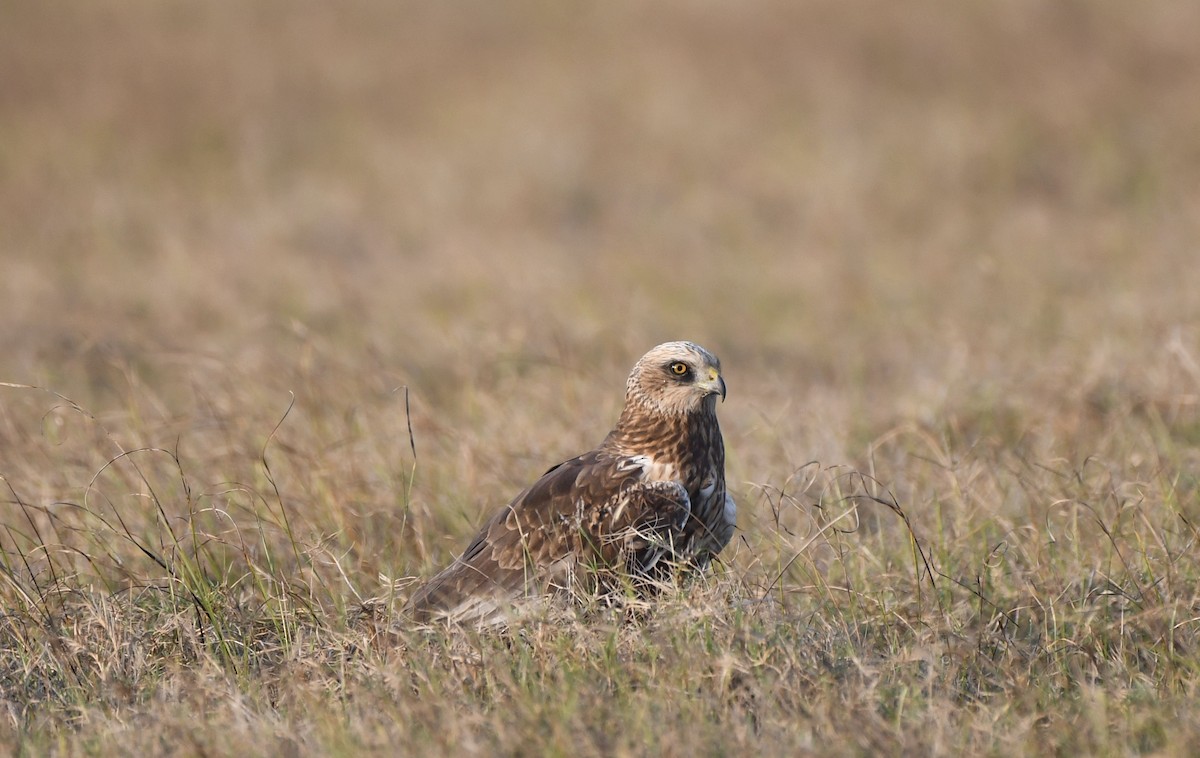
(715, 384)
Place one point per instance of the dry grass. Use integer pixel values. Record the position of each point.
(947, 253)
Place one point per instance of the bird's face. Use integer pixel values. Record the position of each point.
(676, 378)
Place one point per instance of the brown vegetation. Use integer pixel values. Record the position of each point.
(320, 286)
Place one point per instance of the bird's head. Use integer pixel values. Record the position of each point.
(676, 378)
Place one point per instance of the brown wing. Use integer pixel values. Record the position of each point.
(590, 512)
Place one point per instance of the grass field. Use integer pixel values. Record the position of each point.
(292, 295)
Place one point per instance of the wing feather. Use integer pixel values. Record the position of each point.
(592, 512)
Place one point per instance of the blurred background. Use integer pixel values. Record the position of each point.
(977, 217)
(309, 289)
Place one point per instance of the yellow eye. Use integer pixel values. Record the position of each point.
(679, 369)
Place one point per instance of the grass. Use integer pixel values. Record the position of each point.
(293, 297)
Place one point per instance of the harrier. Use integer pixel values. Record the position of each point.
(649, 499)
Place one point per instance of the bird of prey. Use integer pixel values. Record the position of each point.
(650, 499)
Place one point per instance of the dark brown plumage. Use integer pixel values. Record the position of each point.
(651, 496)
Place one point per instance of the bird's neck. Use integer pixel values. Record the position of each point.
(643, 431)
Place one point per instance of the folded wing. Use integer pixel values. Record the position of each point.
(589, 518)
